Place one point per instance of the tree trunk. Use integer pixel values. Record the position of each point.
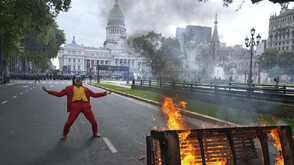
(1, 61)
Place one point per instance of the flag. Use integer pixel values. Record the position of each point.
(94, 63)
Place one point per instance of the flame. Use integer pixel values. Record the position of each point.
(276, 141)
(187, 145)
(175, 121)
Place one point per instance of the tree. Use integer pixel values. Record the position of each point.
(226, 3)
(41, 47)
(286, 62)
(158, 50)
(269, 58)
(275, 71)
(19, 19)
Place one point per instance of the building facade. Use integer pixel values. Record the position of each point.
(281, 30)
(212, 60)
(195, 34)
(75, 58)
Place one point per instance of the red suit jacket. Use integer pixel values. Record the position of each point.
(68, 91)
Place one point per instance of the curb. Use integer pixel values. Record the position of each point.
(186, 112)
(11, 83)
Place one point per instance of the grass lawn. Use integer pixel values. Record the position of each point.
(225, 113)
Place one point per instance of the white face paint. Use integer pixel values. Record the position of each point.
(78, 80)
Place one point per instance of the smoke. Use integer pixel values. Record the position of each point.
(160, 15)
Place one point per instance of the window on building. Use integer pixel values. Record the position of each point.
(74, 52)
(116, 61)
(79, 52)
(125, 61)
(102, 62)
(74, 67)
(79, 68)
(133, 62)
(78, 60)
(69, 67)
(129, 61)
(74, 60)
(92, 54)
(120, 61)
(68, 60)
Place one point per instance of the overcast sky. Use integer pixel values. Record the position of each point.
(87, 19)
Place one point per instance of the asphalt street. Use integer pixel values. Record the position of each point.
(31, 124)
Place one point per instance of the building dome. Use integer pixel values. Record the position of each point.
(116, 16)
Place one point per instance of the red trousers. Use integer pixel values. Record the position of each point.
(76, 108)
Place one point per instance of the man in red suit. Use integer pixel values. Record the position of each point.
(78, 100)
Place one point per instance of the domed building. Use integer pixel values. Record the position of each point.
(75, 58)
(116, 30)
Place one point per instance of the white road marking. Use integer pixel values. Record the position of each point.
(43, 82)
(51, 86)
(30, 82)
(14, 97)
(21, 93)
(4, 102)
(50, 82)
(110, 146)
(26, 90)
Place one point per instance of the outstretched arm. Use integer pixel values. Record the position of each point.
(58, 94)
(92, 94)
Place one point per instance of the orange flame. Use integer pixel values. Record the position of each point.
(175, 122)
(276, 141)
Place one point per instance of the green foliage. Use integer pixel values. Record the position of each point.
(269, 58)
(145, 94)
(276, 71)
(286, 62)
(158, 50)
(277, 63)
(43, 46)
(22, 18)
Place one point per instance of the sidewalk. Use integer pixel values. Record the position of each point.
(116, 83)
(11, 82)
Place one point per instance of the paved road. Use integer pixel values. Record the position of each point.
(31, 123)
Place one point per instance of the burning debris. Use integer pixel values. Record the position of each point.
(216, 146)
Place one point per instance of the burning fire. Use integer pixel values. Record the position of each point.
(276, 141)
(176, 122)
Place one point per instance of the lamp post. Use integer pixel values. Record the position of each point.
(251, 43)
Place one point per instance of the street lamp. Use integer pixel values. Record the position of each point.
(251, 43)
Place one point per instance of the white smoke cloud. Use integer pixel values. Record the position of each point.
(87, 19)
